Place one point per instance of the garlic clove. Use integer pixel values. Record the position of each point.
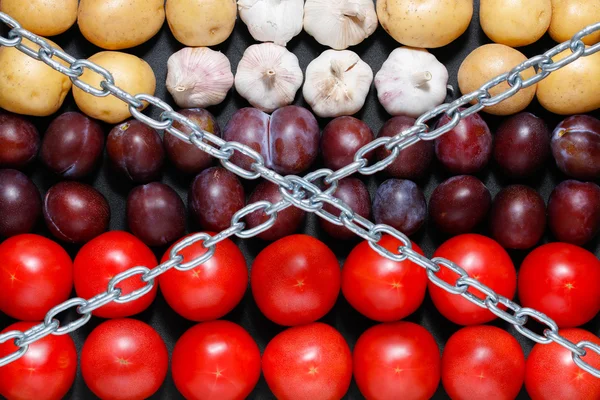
(275, 21)
(198, 77)
(268, 76)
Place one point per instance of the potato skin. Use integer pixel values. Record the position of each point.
(42, 17)
(570, 16)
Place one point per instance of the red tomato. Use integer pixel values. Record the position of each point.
(484, 260)
(482, 362)
(216, 360)
(210, 290)
(45, 372)
(382, 289)
(398, 360)
(551, 373)
(295, 280)
(105, 256)
(124, 359)
(308, 362)
(562, 281)
(36, 275)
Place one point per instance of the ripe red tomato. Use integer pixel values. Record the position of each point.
(45, 372)
(485, 260)
(124, 359)
(308, 362)
(216, 360)
(551, 373)
(398, 360)
(210, 290)
(295, 280)
(105, 256)
(382, 289)
(482, 362)
(36, 275)
(562, 281)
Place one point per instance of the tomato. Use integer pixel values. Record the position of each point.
(398, 360)
(295, 280)
(308, 362)
(105, 256)
(551, 373)
(45, 372)
(36, 274)
(483, 362)
(382, 289)
(210, 290)
(124, 359)
(216, 360)
(562, 281)
(484, 260)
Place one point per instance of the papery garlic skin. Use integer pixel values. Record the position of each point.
(337, 83)
(410, 82)
(268, 76)
(276, 21)
(198, 77)
(340, 24)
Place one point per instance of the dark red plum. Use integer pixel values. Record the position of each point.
(20, 203)
(576, 147)
(354, 193)
(401, 204)
(19, 141)
(341, 139)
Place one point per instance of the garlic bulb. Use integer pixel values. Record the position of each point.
(275, 21)
(198, 77)
(410, 82)
(337, 83)
(340, 23)
(268, 76)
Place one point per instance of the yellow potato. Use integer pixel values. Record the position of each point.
(42, 17)
(28, 86)
(425, 23)
(570, 16)
(131, 74)
(485, 63)
(120, 24)
(201, 22)
(515, 22)
(574, 89)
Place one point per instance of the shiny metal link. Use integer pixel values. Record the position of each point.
(370, 147)
(82, 64)
(299, 195)
(585, 346)
(47, 57)
(232, 147)
(437, 281)
(187, 242)
(503, 314)
(73, 325)
(139, 272)
(490, 295)
(378, 230)
(272, 176)
(420, 260)
(540, 317)
(36, 333)
(234, 229)
(203, 143)
(346, 171)
(566, 343)
(15, 355)
(162, 268)
(360, 226)
(406, 138)
(249, 209)
(336, 203)
(98, 301)
(155, 101)
(121, 94)
(13, 40)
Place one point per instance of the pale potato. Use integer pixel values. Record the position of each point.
(131, 74)
(120, 24)
(515, 22)
(28, 86)
(570, 16)
(42, 17)
(201, 22)
(485, 63)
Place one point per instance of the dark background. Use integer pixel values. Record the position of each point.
(350, 323)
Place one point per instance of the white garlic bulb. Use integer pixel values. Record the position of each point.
(275, 21)
(337, 83)
(268, 76)
(340, 24)
(198, 77)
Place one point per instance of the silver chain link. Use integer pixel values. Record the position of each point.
(303, 192)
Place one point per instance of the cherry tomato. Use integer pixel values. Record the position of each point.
(562, 281)
(210, 290)
(382, 289)
(483, 362)
(124, 359)
(308, 362)
(484, 260)
(45, 372)
(105, 256)
(295, 280)
(216, 360)
(551, 373)
(36, 274)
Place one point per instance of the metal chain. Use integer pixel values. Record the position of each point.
(304, 193)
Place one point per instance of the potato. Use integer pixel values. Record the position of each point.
(485, 63)
(28, 86)
(570, 16)
(201, 22)
(131, 74)
(425, 23)
(515, 22)
(42, 17)
(120, 24)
